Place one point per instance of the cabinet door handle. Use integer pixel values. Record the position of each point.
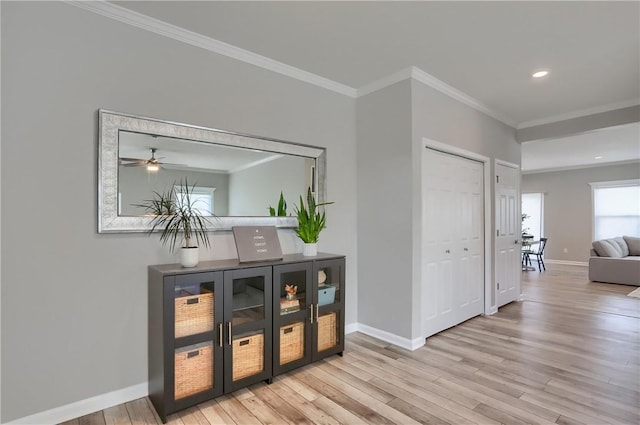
(230, 334)
(466, 249)
(311, 315)
(220, 335)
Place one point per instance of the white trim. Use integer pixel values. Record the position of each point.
(581, 113)
(568, 263)
(351, 328)
(406, 343)
(174, 32)
(616, 183)
(0, 236)
(86, 406)
(147, 23)
(389, 80)
(493, 310)
(580, 167)
(434, 83)
(488, 219)
(507, 164)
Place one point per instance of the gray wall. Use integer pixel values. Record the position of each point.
(391, 126)
(384, 209)
(73, 301)
(568, 206)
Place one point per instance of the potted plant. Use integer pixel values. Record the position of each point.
(310, 223)
(182, 223)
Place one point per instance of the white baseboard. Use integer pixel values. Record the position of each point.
(104, 401)
(351, 328)
(394, 339)
(567, 263)
(84, 407)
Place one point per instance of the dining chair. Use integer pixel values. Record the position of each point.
(538, 253)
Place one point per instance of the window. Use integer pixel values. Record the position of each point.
(201, 199)
(616, 209)
(532, 211)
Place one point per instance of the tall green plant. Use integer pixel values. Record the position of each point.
(310, 220)
(175, 213)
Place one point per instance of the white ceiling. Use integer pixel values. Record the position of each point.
(487, 50)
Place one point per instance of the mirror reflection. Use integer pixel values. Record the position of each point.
(229, 181)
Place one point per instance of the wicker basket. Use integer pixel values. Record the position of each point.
(291, 342)
(193, 313)
(248, 356)
(193, 370)
(326, 331)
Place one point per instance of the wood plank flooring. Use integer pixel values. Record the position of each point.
(568, 354)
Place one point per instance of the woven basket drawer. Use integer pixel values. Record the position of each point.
(327, 331)
(193, 370)
(291, 342)
(193, 314)
(248, 356)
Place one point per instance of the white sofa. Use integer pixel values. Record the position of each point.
(616, 260)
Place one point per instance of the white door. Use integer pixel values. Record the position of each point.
(452, 240)
(508, 233)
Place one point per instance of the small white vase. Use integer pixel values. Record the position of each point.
(309, 249)
(189, 256)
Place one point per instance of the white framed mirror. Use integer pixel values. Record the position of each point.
(238, 176)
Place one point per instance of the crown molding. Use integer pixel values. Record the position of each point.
(425, 78)
(166, 29)
(147, 23)
(580, 167)
(581, 113)
(431, 81)
(389, 80)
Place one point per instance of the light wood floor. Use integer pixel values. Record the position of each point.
(568, 354)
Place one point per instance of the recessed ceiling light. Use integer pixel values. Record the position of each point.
(540, 74)
(597, 157)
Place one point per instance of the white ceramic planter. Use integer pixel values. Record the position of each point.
(189, 256)
(309, 249)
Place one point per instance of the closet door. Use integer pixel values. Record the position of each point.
(452, 240)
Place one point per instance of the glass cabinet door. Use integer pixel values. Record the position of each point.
(292, 306)
(196, 302)
(329, 299)
(248, 304)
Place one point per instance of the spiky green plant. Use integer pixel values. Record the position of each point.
(282, 208)
(310, 220)
(175, 213)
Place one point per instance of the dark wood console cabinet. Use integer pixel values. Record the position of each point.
(224, 325)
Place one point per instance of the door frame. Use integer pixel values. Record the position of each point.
(488, 218)
(519, 209)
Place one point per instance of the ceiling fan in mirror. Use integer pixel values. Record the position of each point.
(152, 164)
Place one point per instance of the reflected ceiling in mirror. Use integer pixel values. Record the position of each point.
(239, 176)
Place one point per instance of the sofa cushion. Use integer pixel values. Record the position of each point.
(607, 248)
(624, 249)
(633, 244)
